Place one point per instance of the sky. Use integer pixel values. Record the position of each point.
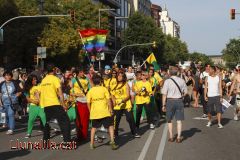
(206, 26)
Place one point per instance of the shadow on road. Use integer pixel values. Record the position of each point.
(189, 133)
(12, 154)
(224, 121)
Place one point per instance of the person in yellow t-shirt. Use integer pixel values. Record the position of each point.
(52, 100)
(32, 93)
(81, 86)
(112, 81)
(143, 91)
(99, 105)
(122, 104)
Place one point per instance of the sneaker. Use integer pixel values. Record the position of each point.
(92, 146)
(39, 131)
(27, 136)
(152, 126)
(113, 145)
(235, 117)
(209, 124)
(137, 136)
(9, 132)
(73, 130)
(220, 126)
(204, 116)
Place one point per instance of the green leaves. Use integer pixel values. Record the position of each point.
(200, 57)
(58, 34)
(142, 29)
(231, 54)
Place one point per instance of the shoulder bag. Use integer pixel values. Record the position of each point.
(177, 86)
(13, 106)
(81, 99)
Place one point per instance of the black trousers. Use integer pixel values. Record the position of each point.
(129, 118)
(57, 112)
(148, 113)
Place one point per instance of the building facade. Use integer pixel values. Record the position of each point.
(155, 12)
(169, 27)
(217, 59)
(143, 6)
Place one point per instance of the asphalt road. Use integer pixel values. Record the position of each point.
(200, 143)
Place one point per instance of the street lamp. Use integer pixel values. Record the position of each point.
(131, 45)
(99, 14)
(115, 30)
(99, 24)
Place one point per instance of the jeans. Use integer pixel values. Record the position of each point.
(10, 119)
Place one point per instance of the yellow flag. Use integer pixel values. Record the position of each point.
(151, 59)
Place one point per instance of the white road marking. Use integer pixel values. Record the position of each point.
(146, 146)
(200, 118)
(162, 143)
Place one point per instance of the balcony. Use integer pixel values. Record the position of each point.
(111, 3)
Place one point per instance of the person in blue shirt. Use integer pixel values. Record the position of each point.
(10, 91)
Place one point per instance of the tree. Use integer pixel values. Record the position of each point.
(59, 35)
(142, 29)
(200, 57)
(174, 50)
(231, 54)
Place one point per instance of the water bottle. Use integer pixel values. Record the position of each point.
(3, 118)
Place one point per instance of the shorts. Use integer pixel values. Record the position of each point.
(175, 108)
(106, 122)
(214, 104)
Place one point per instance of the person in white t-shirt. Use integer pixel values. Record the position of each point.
(213, 95)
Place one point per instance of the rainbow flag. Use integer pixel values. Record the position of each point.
(88, 36)
(101, 40)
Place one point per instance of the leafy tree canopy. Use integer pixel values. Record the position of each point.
(231, 54)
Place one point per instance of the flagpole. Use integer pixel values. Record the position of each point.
(84, 45)
(143, 63)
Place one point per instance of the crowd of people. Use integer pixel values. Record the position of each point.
(99, 99)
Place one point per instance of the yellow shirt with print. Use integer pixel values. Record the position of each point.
(106, 82)
(112, 83)
(98, 97)
(32, 93)
(48, 89)
(143, 88)
(76, 88)
(120, 93)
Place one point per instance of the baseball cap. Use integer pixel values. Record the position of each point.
(107, 67)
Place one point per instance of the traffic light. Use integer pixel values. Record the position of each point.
(72, 14)
(232, 14)
(154, 44)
